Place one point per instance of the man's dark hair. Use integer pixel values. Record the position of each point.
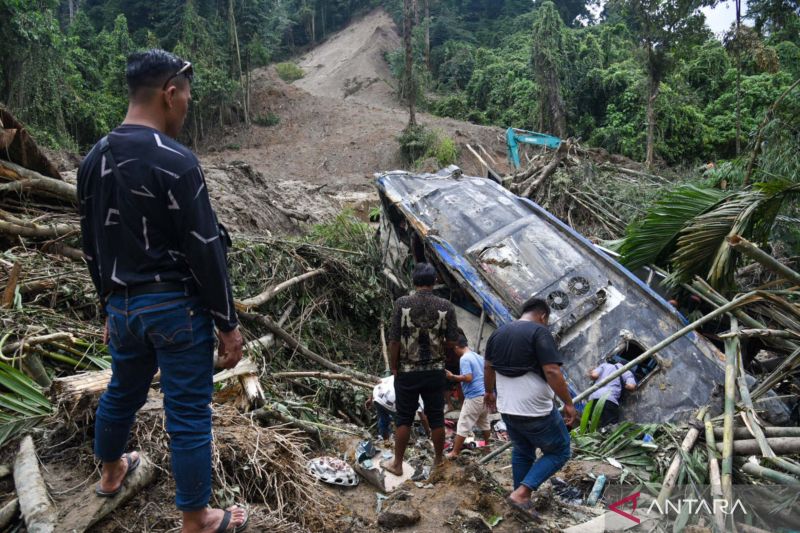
(462, 341)
(536, 305)
(424, 275)
(150, 69)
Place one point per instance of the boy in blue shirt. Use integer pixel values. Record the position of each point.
(473, 411)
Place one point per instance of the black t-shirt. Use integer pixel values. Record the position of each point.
(521, 346)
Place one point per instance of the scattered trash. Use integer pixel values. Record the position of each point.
(597, 490)
(333, 471)
(421, 473)
(365, 450)
(566, 492)
(380, 497)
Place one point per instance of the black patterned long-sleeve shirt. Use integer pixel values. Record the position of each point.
(156, 224)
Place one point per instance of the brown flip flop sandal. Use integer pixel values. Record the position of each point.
(226, 521)
(133, 464)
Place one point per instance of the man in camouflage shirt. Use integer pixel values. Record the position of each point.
(423, 326)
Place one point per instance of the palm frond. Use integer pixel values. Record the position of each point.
(22, 405)
(653, 239)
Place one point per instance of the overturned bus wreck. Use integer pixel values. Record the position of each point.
(494, 250)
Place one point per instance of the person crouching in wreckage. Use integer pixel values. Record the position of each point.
(157, 257)
(423, 325)
(611, 391)
(524, 363)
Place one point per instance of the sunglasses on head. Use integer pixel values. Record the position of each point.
(186, 70)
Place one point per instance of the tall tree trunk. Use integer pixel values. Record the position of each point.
(428, 34)
(235, 41)
(653, 85)
(738, 77)
(409, 85)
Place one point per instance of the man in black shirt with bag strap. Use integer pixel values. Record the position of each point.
(157, 256)
(523, 361)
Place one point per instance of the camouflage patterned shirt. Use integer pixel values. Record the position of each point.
(422, 323)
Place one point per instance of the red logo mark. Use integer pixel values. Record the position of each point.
(633, 497)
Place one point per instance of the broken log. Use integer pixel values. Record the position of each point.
(741, 244)
(779, 445)
(34, 501)
(769, 431)
(76, 393)
(294, 344)
(267, 295)
(92, 509)
(671, 477)
(385, 350)
(11, 286)
(782, 333)
(323, 375)
(8, 512)
(24, 179)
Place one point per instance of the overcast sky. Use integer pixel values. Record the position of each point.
(720, 18)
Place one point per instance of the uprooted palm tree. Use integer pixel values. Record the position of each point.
(688, 228)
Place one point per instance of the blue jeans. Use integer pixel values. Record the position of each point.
(172, 332)
(550, 435)
(385, 418)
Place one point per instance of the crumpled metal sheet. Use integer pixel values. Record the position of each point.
(503, 249)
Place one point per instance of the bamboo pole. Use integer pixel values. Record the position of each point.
(741, 244)
(786, 464)
(769, 431)
(713, 474)
(385, 351)
(671, 477)
(771, 475)
(779, 445)
(731, 352)
(749, 413)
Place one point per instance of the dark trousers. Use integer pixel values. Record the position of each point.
(547, 433)
(610, 414)
(172, 332)
(385, 418)
(410, 386)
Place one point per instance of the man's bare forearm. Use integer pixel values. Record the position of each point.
(394, 356)
(557, 382)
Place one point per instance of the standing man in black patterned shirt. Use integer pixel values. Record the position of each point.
(423, 326)
(157, 256)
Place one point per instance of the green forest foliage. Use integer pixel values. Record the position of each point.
(62, 63)
(481, 69)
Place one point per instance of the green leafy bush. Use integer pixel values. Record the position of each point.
(416, 142)
(445, 151)
(270, 119)
(289, 71)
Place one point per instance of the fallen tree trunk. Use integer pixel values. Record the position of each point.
(24, 180)
(323, 375)
(267, 295)
(268, 416)
(779, 445)
(247, 372)
(92, 509)
(34, 501)
(294, 344)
